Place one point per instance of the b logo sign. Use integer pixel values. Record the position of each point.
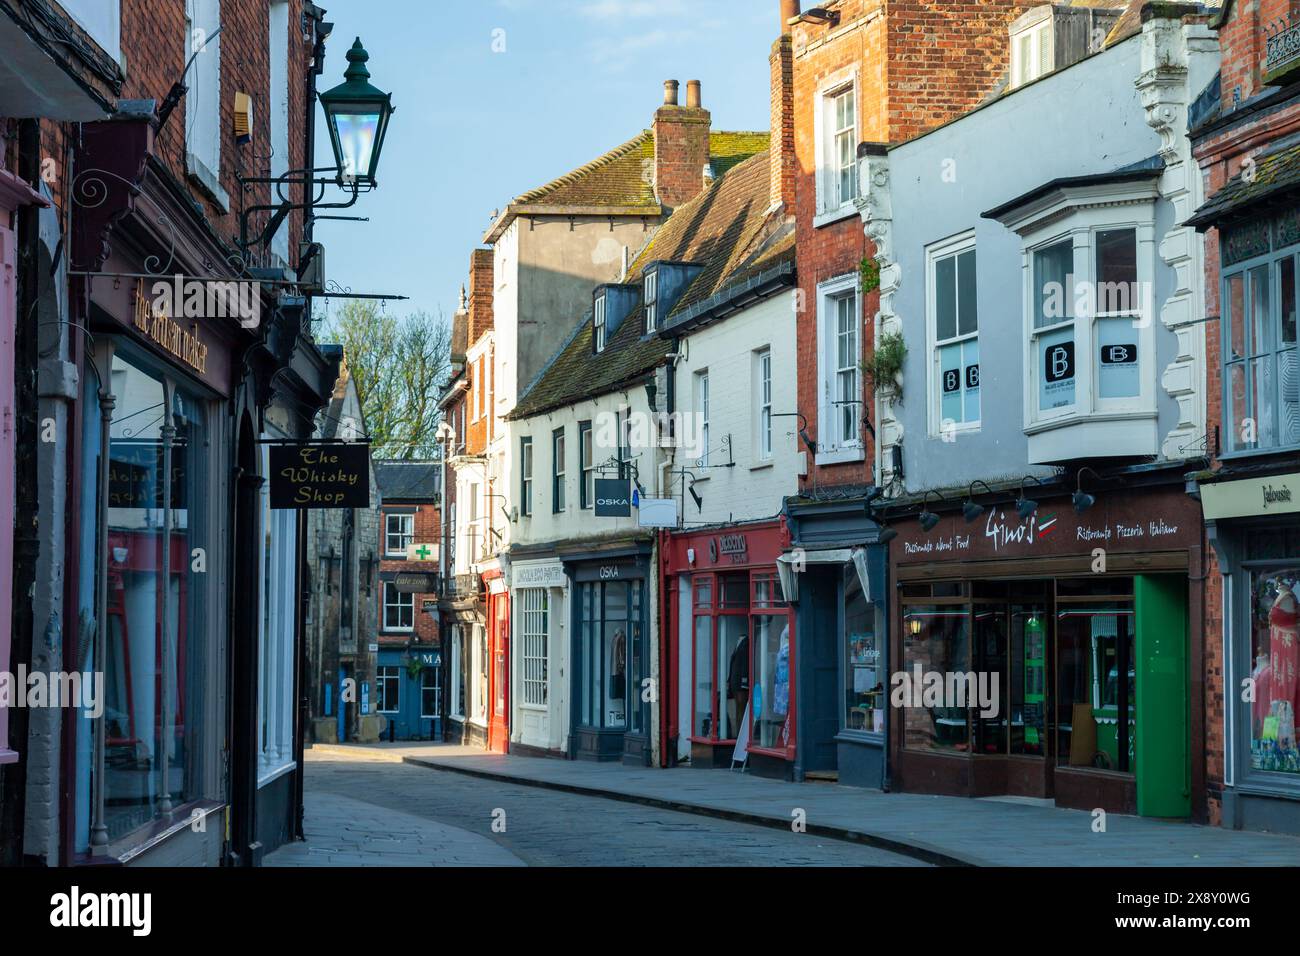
(1060, 362)
(1119, 354)
(951, 380)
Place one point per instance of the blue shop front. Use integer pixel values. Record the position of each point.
(408, 692)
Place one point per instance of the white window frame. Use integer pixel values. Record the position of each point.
(398, 604)
(651, 296)
(598, 323)
(831, 205)
(278, 98)
(559, 451)
(702, 414)
(276, 623)
(381, 676)
(203, 126)
(830, 449)
(406, 537)
(425, 672)
(1079, 217)
(457, 655)
(1041, 38)
(948, 248)
(527, 458)
(534, 623)
(763, 404)
(587, 464)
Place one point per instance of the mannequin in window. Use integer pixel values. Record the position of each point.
(738, 684)
(618, 664)
(1283, 637)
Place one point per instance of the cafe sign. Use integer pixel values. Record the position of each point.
(320, 475)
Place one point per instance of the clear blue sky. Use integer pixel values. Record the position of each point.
(474, 128)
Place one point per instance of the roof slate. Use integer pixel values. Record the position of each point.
(408, 480)
(1276, 173)
(623, 178)
(730, 229)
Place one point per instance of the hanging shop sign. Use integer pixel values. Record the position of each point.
(415, 582)
(320, 476)
(657, 513)
(613, 498)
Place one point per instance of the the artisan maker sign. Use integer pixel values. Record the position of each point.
(320, 476)
(154, 323)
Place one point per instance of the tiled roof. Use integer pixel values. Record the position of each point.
(1275, 174)
(728, 229)
(623, 178)
(408, 480)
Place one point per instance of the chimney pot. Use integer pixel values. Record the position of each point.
(789, 10)
(693, 94)
(670, 92)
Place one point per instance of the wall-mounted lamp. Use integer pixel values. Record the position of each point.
(971, 510)
(1082, 500)
(914, 625)
(886, 533)
(820, 15)
(927, 517)
(1026, 506)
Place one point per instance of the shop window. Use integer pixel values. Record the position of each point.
(1096, 685)
(275, 658)
(771, 703)
(535, 614)
(430, 691)
(157, 609)
(864, 672)
(954, 334)
(388, 682)
(399, 609)
(721, 658)
(936, 639)
(1274, 666)
(458, 681)
(480, 674)
(1028, 672)
(1261, 373)
(612, 651)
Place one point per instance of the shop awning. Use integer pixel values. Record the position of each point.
(789, 565)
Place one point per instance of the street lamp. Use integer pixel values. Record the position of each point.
(358, 115)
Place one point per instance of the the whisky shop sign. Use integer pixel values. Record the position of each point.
(320, 475)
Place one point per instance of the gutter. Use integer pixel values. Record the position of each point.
(733, 298)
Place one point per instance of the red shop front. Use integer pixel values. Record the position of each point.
(728, 647)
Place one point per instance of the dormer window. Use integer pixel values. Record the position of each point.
(598, 323)
(1032, 54)
(651, 302)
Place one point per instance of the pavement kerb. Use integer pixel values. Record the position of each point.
(917, 849)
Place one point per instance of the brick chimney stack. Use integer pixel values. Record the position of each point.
(781, 61)
(681, 136)
(480, 293)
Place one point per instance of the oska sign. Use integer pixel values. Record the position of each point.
(613, 498)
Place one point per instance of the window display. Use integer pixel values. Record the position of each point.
(721, 658)
(156, 601)
(936, 639)
(612, 647)
(770, 703)
(1096, 685)
(864, 671)
(1274, 632)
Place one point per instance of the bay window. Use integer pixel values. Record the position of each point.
(1089, 316)
(954, 335)
(1261, 374)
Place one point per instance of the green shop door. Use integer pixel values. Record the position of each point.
(1163, 735)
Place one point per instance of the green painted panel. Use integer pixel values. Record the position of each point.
(1163, 732)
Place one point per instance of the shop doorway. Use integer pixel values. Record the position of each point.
(819, 669)
(499, 708)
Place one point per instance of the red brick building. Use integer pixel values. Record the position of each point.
(1245, 138)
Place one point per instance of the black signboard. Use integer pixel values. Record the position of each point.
(320, 476)
(613, 498)
(415, 582)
